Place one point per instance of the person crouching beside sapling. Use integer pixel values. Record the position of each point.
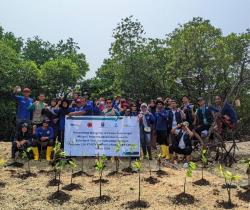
(146, 120)
(22, 139)
(182, 141)
(44, 138)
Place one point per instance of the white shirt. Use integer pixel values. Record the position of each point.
(174, 123)
(181, 142)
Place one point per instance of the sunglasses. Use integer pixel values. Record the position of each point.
(108, 103)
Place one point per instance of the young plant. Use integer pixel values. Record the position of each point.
(189, 172)
(137, 167)
(229, 178)
(72, 165)
(25, 155)
(132, 147)
(59, 162)
(159, 160)
(117, 159)
(149, 165)
(100, 165)
(248, 171)
(204, 161)
(2, 162)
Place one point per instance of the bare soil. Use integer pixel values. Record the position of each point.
(164, 190)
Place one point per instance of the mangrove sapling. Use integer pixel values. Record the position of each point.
(2, 163)
(137, 167)
(25, 155)
(189, 172)
(117, 159)
(248, 172)
(159, 160)
(72, 165)
(150, 179)
(100, 165)
(59, 162)
(132, 147)
(204, 162)
(138, 203)
(149, 165)
(229, 178)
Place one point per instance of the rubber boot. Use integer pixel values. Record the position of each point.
(163, 150)
(35, 153)
(167, 154)
(48, 153)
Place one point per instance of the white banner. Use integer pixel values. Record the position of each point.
(102, 135)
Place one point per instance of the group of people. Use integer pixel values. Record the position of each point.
(162, 122)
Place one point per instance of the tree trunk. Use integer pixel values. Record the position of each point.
(202, 173)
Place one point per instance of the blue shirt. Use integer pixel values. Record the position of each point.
(23, 113)
(40, 132)
(161, 120)
(87, 108)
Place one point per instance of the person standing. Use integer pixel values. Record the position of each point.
(23, 114)
(109, 110)
(161, 126)
(188, 110)
(37, 108)
(146, 120)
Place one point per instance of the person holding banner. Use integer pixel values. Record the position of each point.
(161, 127)
(146, 120)
(82, 108)
(109, 110)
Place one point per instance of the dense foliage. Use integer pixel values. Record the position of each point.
(195, 59)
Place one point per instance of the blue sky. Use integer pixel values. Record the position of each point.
(90, 23)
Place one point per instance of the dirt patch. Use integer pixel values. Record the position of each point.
(161, 173)
(53, 182)
(24, 176)
(97, 181)
(2, 184)
(97, 200)
(244, 195)
(59, 197)
(81, 173)
(183, 199)
(33, 193)
(115, 173)
(152, 180)
(136, 204)
(225, 205)
(71, 187)
(202, 182)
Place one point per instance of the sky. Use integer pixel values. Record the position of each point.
(90, 22)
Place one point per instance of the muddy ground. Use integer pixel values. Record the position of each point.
(18, 191)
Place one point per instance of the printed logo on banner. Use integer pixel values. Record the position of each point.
(102, 124)
(89, 125)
